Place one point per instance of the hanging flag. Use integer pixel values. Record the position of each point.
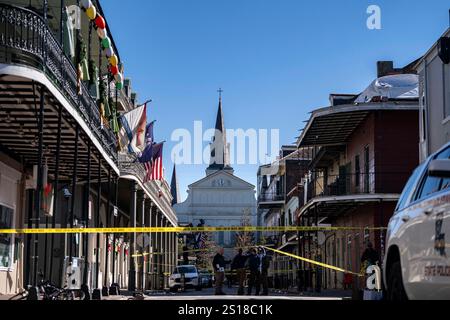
(133, 129)
(139, 137)
(155, 170)
(149, 138)
(147, 154)
(47, 200)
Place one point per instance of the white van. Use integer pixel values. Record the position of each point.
(417, 263)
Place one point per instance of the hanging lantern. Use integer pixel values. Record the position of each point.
(114, 70)
(85, 4)
(118, 77)
(114, 60)
(119, 85)
(100, 22)
(102, 34)
(109, 52)
(106, 43)
(91, 12)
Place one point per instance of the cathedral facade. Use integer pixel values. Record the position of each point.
(221, 198)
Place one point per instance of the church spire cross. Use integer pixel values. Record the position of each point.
(220, 93)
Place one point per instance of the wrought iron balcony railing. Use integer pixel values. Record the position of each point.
(270, 197)
(357, 184)
(25, 39)
(128, 166)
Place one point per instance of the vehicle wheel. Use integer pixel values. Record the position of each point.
(396, 290)
(198, 288)
(173, 289)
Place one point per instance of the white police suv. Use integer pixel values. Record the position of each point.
(186, 277)
(417, 260)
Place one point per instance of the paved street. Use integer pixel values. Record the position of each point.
(208, 294)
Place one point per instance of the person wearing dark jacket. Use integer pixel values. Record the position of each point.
(370, 255)
(238, 264)
(263, 268)
(252, 264)
(219, 264)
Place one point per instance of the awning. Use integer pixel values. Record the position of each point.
(330, 207)
(334, 125)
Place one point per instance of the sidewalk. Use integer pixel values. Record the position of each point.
(345, 294)
(4, 297)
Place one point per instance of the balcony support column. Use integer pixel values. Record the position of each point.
(87, 194)
(141, 282)
(149, 248)
(132, 271)
(55, 189)
(166, 255)
(162, 255)
(157, 250)
(155, 258)
(309, 224)
(97, 293)
(74, 189)
(39, 185)
(107, 254)
(113, 288)
(319, 253)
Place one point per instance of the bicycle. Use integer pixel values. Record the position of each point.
(46, 291)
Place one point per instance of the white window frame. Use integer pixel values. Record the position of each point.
(13, 239)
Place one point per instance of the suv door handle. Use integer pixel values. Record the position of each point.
(406, 218)
(428, 211)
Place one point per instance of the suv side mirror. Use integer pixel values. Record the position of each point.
(439, 169)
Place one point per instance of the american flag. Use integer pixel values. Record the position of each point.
(203, 239)
(148, 171)
(157, 172)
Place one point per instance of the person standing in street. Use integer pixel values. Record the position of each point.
(238, 264)
(370, 255)
(252, 264)
(262, 274)
(219, 264)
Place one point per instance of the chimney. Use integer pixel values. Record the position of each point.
(384, 68)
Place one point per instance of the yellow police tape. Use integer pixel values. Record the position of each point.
(320, 264)
(178, 230)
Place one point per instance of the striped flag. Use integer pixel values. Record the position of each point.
(148, 171)
(133, 129)
(157, 167)
(203, 239)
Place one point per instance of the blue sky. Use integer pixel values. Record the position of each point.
(276, 60)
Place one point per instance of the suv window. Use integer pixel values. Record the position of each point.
(187, 270)
(431, 185)
(402, 202)
(445, 155)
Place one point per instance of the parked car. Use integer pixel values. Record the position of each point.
(206, 279)
(185, 276)
(417, 263)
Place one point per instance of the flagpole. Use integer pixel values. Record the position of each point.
(146, 102)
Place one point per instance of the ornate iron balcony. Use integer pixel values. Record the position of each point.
(25, 39)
